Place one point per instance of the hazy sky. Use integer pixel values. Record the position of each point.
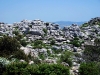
(48, 10)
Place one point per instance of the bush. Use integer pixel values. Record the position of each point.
(22, 68)
(10, 48)
(3, 63)
(45, 31)
(8, 45)
(23, 42)
(92, 52)
(20, 55)
(42, 56)
(85, 25)
(52, 69)
(16, 68)
(66, 57)
(52, 42)
(15, 32)
(76, 43)
(38, 44)
(88, 69)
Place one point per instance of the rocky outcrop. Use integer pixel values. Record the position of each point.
(64, 39)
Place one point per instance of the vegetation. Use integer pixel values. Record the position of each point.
(53, 69)
(21, 55)
(16, 32)
(37, 44)
(89, 69)
(76, 42)
(56, 51)
(23, 42)
(45, 31)
(47, 24)
(52, 42)
(8, 45)
(23, 68)
(92, 53)
(85, 25)
(66, 57)
(16, 68)
(42, 56)
(10, 48)
(30, 26)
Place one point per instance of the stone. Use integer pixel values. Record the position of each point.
(65, 64)
(31, 62)
(75, 49)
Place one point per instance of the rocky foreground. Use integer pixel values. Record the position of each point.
(55, 41)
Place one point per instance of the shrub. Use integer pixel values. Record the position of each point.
(98, 67)
(30, 26)
(56, 51)
(76, 43)
(22, 68)
(38, 44)
(36, 61)
(10, 48)
(52, 42)
(92, 52)
(52, 69)
(16, 68)
(15, 32)
(23, 42)
(45, 31)
(20, 55)
(8, 45)
(85, 25)
(3, 63)
(19, 37)
(88, 69)
(50, 39)
(66, 57)
(42, 56)
(47, 24)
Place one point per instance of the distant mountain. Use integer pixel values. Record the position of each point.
(67, 23)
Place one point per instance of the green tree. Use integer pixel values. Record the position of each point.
(45, 31)
(92, 52)
(8, 45)
(16, 32)
(52, 42)
(76, 42)
(47, 24)
(18, 68)
(23, 42)
(66, 57)
(10, 48)
(38, 44)
(88, 69)
(52, 69)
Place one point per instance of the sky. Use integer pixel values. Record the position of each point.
(49, 10)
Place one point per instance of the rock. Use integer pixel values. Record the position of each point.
(31, 62)
(75, 64)
(50, 61)
(65, 64)
(75, 49)
(68, 41)
(26, 50)
(22, 60)
(56, 47)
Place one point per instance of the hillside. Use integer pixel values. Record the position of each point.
(44, 42)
